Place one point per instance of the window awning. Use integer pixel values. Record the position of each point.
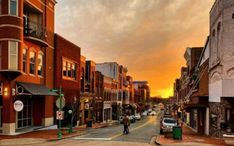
(36, 89)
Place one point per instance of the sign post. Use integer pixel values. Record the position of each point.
(60, 112)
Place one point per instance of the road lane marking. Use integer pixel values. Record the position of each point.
(88, 138)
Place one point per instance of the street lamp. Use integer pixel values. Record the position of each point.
(70, 128)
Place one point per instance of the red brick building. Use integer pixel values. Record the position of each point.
(26, 63)
(99, 90)
(67, 76)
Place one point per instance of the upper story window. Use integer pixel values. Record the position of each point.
(40, 64)
(32, 57)
(25, 52)
(69, 69)
(13, 7)
(13, 55)
(232, 15)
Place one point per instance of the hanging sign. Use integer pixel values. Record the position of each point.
(18, 105)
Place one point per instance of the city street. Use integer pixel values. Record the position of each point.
(141, 133)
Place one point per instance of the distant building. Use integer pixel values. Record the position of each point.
(141, 94)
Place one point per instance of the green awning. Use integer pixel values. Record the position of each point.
(36, 89)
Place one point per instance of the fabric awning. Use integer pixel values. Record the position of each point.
(37, 89)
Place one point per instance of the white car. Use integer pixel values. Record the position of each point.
(137, 116)
(167, 124)
(144, 113)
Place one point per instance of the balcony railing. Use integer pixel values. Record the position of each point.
(36, 32)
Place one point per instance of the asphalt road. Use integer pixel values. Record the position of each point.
(141, 134)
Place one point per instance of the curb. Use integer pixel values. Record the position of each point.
(157, 140)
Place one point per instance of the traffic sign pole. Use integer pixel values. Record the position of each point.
(60, 109)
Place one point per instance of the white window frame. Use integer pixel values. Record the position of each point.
(9, 7)
(16, 55)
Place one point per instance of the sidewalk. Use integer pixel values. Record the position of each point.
(43, 135)
(190, 137)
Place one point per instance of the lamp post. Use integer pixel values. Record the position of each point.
(70, 128)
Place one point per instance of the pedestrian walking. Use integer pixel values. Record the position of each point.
(126, 123)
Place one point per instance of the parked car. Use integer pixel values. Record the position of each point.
(167, 125)
(137, 116)
(144, 113)
(132, 119)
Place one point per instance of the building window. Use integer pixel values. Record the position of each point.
(69, 69)
(40, 64)
(13, 7)
(32, 57)
(25, 52)
(232, 15)
(24, 117)
(13, 55)
(213, 33)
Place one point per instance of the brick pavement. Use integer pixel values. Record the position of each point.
(190, 136)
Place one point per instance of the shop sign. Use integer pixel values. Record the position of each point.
(59, 115)
(18, 105)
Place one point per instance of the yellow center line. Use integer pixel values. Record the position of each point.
(118, 135)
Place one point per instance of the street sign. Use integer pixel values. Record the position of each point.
(58, 103)
(59, 115)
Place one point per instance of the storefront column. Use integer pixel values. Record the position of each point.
(8, 121)
(207, 121)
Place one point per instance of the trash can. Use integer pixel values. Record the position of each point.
(89, 123)
(177, 132)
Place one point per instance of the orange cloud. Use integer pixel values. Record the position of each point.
(147, 36)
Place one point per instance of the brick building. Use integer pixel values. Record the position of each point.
(67, 76)
(87, 96)
(26, 64)
(99, 91)
(221, 68)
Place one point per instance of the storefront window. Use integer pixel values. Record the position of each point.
(32, 62)
(24, 117)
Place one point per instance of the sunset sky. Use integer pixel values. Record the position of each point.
(149, 37)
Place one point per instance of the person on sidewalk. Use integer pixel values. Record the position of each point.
(126, 123)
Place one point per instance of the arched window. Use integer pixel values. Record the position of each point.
(213, 33)
(218, 27)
